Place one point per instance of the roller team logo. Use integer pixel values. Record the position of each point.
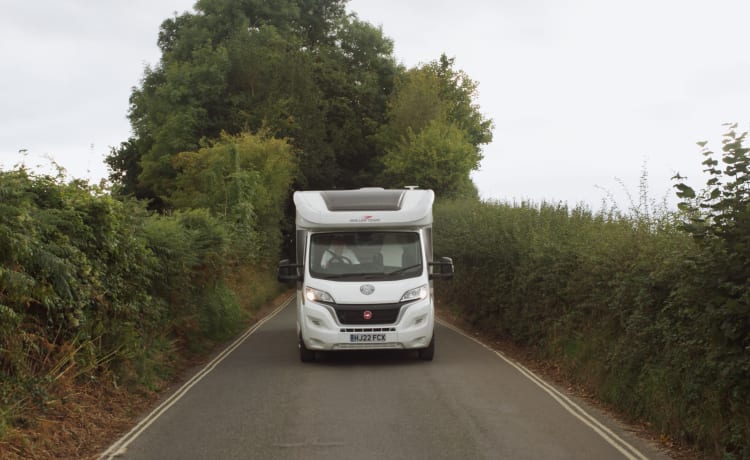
(367, 315)
(364, 220)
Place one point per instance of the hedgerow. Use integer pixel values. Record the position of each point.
(98, 288)
(649, 312)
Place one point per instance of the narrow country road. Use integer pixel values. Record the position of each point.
(260, 402)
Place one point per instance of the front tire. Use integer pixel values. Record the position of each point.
(427, 354)
(305, 355)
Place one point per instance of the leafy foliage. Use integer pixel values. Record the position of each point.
(434, 131)
(74, 276)
(718, 218)
(244, 180)
(306, 71)
(100, 289)
(438, 157)
(722, 210)
(301, 70)
(459, 93)
(651, 312)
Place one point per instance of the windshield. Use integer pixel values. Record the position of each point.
(360, 256)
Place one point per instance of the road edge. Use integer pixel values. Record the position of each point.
(119, 447)
(626, 449)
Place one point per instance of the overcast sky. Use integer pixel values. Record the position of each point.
(582, 93)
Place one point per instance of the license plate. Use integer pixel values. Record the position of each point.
(367, 338)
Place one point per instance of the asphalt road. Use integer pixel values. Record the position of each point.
(261, 402)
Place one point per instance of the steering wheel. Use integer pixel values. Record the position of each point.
(338, 258)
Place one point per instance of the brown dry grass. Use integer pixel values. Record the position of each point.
(77, 424)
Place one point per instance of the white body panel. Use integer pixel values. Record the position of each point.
(415, 212)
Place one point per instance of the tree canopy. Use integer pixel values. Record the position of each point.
(301, 70)
(434, 130)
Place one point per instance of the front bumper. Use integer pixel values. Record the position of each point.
(321, 330)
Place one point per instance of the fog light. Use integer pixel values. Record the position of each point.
(315, 321)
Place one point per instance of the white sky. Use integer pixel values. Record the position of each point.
(582, 92)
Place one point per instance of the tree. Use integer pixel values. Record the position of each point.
(301, 69)
(181, 112)
(439, 157)
(459, 92)
(434, 130)
(356, 78)
(124, 166)
(242, 179)
(415, 103)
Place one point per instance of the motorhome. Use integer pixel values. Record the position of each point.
(364, 271)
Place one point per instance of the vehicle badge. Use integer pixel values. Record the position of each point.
(367, 289)
(365, 220)
(367, 315)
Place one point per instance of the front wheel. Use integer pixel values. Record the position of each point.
(305, 355)
(427, 354)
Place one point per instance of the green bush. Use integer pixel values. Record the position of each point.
(651, 318)
(74, 274)
(95, 288)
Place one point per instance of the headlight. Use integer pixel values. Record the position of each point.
(315, 295)
(415, 294)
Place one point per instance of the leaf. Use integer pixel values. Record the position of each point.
(677, 176)
(684, 206)
(685, 191)
(710, 162)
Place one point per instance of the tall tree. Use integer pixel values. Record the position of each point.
(244, 179)
(439, 157)
(302, 69)
(459, 92)
(435, 131)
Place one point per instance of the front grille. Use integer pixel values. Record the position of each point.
(368, 329)
(381, 313)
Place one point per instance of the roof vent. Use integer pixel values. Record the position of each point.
(368, 199)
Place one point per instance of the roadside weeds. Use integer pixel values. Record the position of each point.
(92, 415)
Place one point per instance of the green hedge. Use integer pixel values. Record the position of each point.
(634, 309)
(95, 288)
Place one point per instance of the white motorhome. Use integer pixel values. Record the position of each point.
(364, 270)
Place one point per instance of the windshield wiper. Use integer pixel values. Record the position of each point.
(401, 270)
(368, 275)
(349, 275)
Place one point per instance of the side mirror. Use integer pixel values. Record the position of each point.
(288, 271)
(442, 269)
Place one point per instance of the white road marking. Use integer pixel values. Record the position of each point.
(120, 446)
(626, 449)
